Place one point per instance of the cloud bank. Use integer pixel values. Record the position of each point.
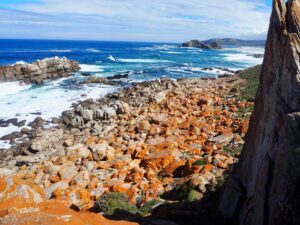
(148, 20)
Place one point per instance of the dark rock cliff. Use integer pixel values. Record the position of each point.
(201, 44)
(39, 71)
(264, 186)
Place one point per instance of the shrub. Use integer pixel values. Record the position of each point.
(108, 203)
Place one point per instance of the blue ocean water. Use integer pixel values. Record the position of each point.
(141, 61)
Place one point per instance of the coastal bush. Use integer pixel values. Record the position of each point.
(110, 202)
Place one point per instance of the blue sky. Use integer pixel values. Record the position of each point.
(134, 20)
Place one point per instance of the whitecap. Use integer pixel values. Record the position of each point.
(92, 50)
(59, 50)
(142, 60)
(112, 58)
(90, 68)
(242, 58)
(173, 52)
(19, 62)
(158, 47)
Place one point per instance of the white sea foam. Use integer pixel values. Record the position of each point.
(112, 58)
(189, 69)
(242, 58)
(19, 62)
(158, 47)
(248, 50)
(9, 88)
(91, 68)
(39, 51)
(173, 52)
(49, 99)
(59, 50)
(142, 60)
(92, 50)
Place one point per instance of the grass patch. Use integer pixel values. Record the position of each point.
(249, 88)
(200, 162)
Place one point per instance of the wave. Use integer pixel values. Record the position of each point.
(242, 58)
(38, 51)
(112, 58)
(158, 47)
(247, 50)
(9, 88)
(142, 60)
(19, 62)
(90, 68)
(59, 50)
(189, 69)
(173, 52)
(92, 50)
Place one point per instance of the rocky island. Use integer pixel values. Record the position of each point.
(201, 44)
(39, 71)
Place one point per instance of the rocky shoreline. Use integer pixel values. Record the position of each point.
(141, 141)
(39, 71)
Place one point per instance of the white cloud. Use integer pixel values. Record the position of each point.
(150, 20)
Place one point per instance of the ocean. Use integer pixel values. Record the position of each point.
(141, 61)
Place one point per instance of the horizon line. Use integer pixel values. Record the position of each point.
(92, 40)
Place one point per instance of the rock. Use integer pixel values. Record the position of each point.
(118, 76)
(223, 138)
(67, 172)
(39, 177)
(96, 80)
(201, 44)
(264, 186)
(6, 172)
(79, 151)
(39, 71)
(109, 112)
(22, 202)
(155, 141)
(59, 185)
(159, 97)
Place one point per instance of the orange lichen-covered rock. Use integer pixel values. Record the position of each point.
(23, 203)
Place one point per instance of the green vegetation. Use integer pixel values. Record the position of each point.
(110, 202)
(147, 207)
(200, 162)
(249, 88)
(193, 195)
(233, 150)
(245, 112)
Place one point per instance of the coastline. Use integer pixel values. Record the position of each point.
(134, 145)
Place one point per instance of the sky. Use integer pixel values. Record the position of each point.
(134, 20)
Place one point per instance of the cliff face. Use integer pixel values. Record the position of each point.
(39, 71)
(264, 187)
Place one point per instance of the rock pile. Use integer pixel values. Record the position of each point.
(39, 71)
(142, 141)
